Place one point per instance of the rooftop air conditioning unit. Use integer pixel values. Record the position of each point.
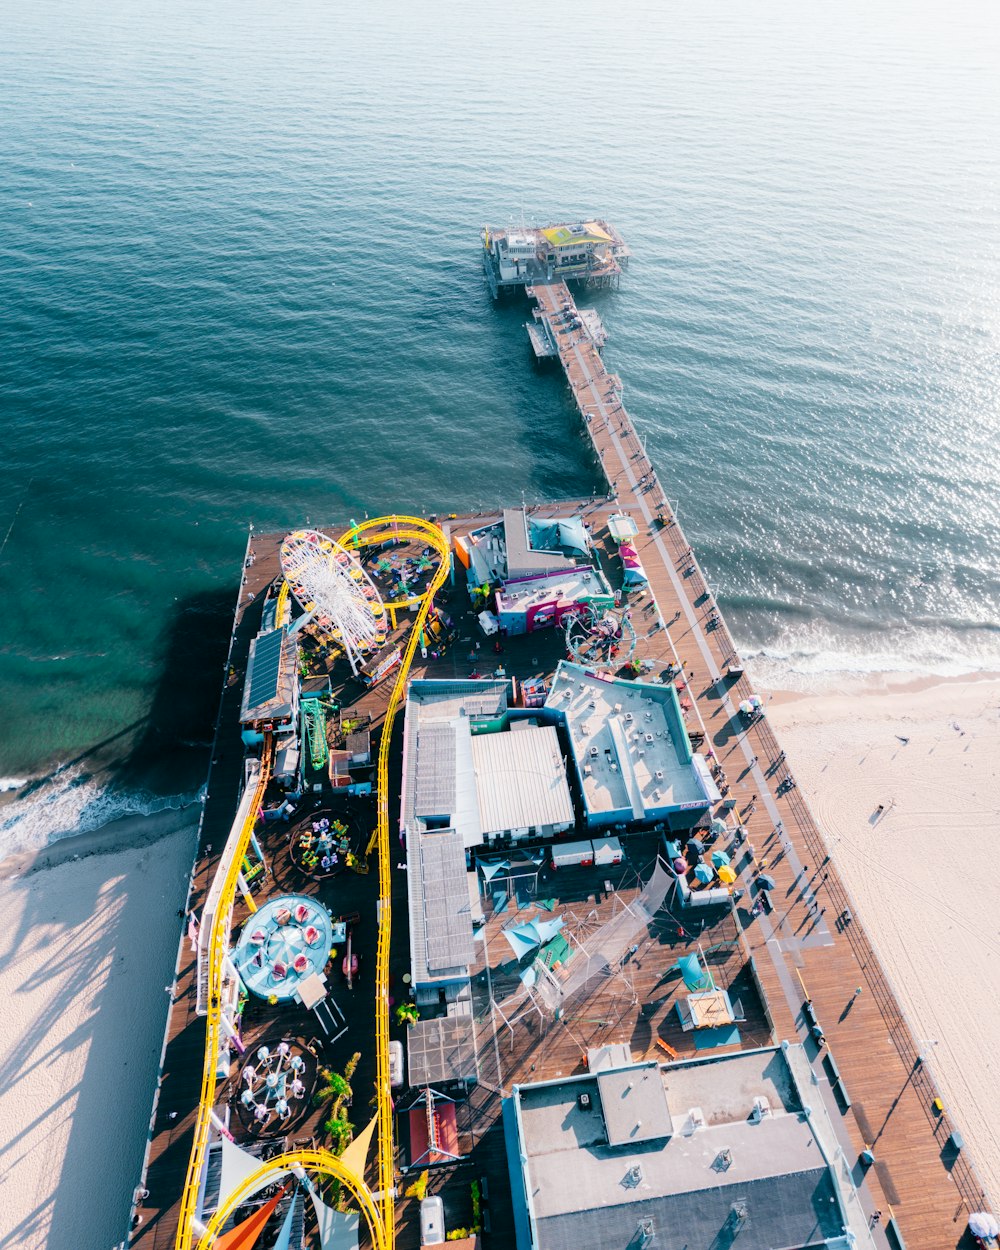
(640, 752)
(659, 774)
(628, 717)
(593, 750)
(649, 737)
(614, 767)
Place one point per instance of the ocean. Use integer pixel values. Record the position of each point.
(241, 284)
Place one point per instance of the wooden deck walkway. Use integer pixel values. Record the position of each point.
(814, 945)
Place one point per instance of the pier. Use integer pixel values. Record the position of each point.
(811, 954)
(795, 958)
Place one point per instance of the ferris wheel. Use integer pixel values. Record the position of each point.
(329, 583)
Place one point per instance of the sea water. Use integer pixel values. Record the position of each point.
(240, 283)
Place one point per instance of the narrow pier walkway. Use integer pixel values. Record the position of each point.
(812, 956)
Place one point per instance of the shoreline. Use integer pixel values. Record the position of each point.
(124, 833)
(925, 750)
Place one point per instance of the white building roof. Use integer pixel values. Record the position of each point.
(520, 779)
(624, 744)
(570, 585)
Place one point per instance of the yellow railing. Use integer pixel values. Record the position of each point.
(403, 529)
(218, 946)
(378, 1213)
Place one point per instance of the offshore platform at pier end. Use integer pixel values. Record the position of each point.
(508, 922)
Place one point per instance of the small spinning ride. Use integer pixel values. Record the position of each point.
(330, 585)
(599, 638)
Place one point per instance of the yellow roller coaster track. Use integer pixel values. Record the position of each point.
(378, 1210)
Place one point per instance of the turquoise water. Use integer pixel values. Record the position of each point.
(240, 283)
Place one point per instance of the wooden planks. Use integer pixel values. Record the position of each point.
(816, 946)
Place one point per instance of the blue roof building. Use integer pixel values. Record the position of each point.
(630, 749)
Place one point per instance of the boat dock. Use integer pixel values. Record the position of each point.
(811, 952)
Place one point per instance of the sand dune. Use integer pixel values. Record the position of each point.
(86, 948)
(925, 875)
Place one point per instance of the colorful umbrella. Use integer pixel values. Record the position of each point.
(719, 826)
(703, 873)
(719, 858)
(765, 882)
(726, 874)
(680, 866)
(696, 845)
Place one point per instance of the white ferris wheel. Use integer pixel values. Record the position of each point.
(334, 590)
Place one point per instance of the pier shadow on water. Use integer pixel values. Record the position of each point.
(91, 1085)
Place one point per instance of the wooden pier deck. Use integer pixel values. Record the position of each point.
(813, 947)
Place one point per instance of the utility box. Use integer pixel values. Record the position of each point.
(607, 851)
(573, 855)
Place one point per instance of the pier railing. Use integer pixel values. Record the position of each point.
(900, 1031)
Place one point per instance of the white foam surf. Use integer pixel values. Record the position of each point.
(813, 660)
(69, 802)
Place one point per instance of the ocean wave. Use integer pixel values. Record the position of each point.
(12, 783)
(71, 801)
(813, 658)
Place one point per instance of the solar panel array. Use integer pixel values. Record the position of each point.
(447, 918)
(435, 770)
(266, 669)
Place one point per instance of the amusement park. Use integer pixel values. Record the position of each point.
(496, 843)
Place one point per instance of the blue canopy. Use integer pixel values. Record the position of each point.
(695, 977)
(719, 858)
(704, 873)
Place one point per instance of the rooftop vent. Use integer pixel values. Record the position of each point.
(649, 737)
(761, 1108)
(632, 1177)
(659, 774)
(583, 1101)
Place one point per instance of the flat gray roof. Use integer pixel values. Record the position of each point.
(520, 779)
(576, 583)
(441, 942)
(522, 559)
(586, 1190)
(634, 1103)
(623, 743)
(438, 773)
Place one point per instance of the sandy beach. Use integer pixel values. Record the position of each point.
(91, 936)
(89, 942)
(923, 873)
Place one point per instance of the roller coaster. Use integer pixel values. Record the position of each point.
(377, 1206)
